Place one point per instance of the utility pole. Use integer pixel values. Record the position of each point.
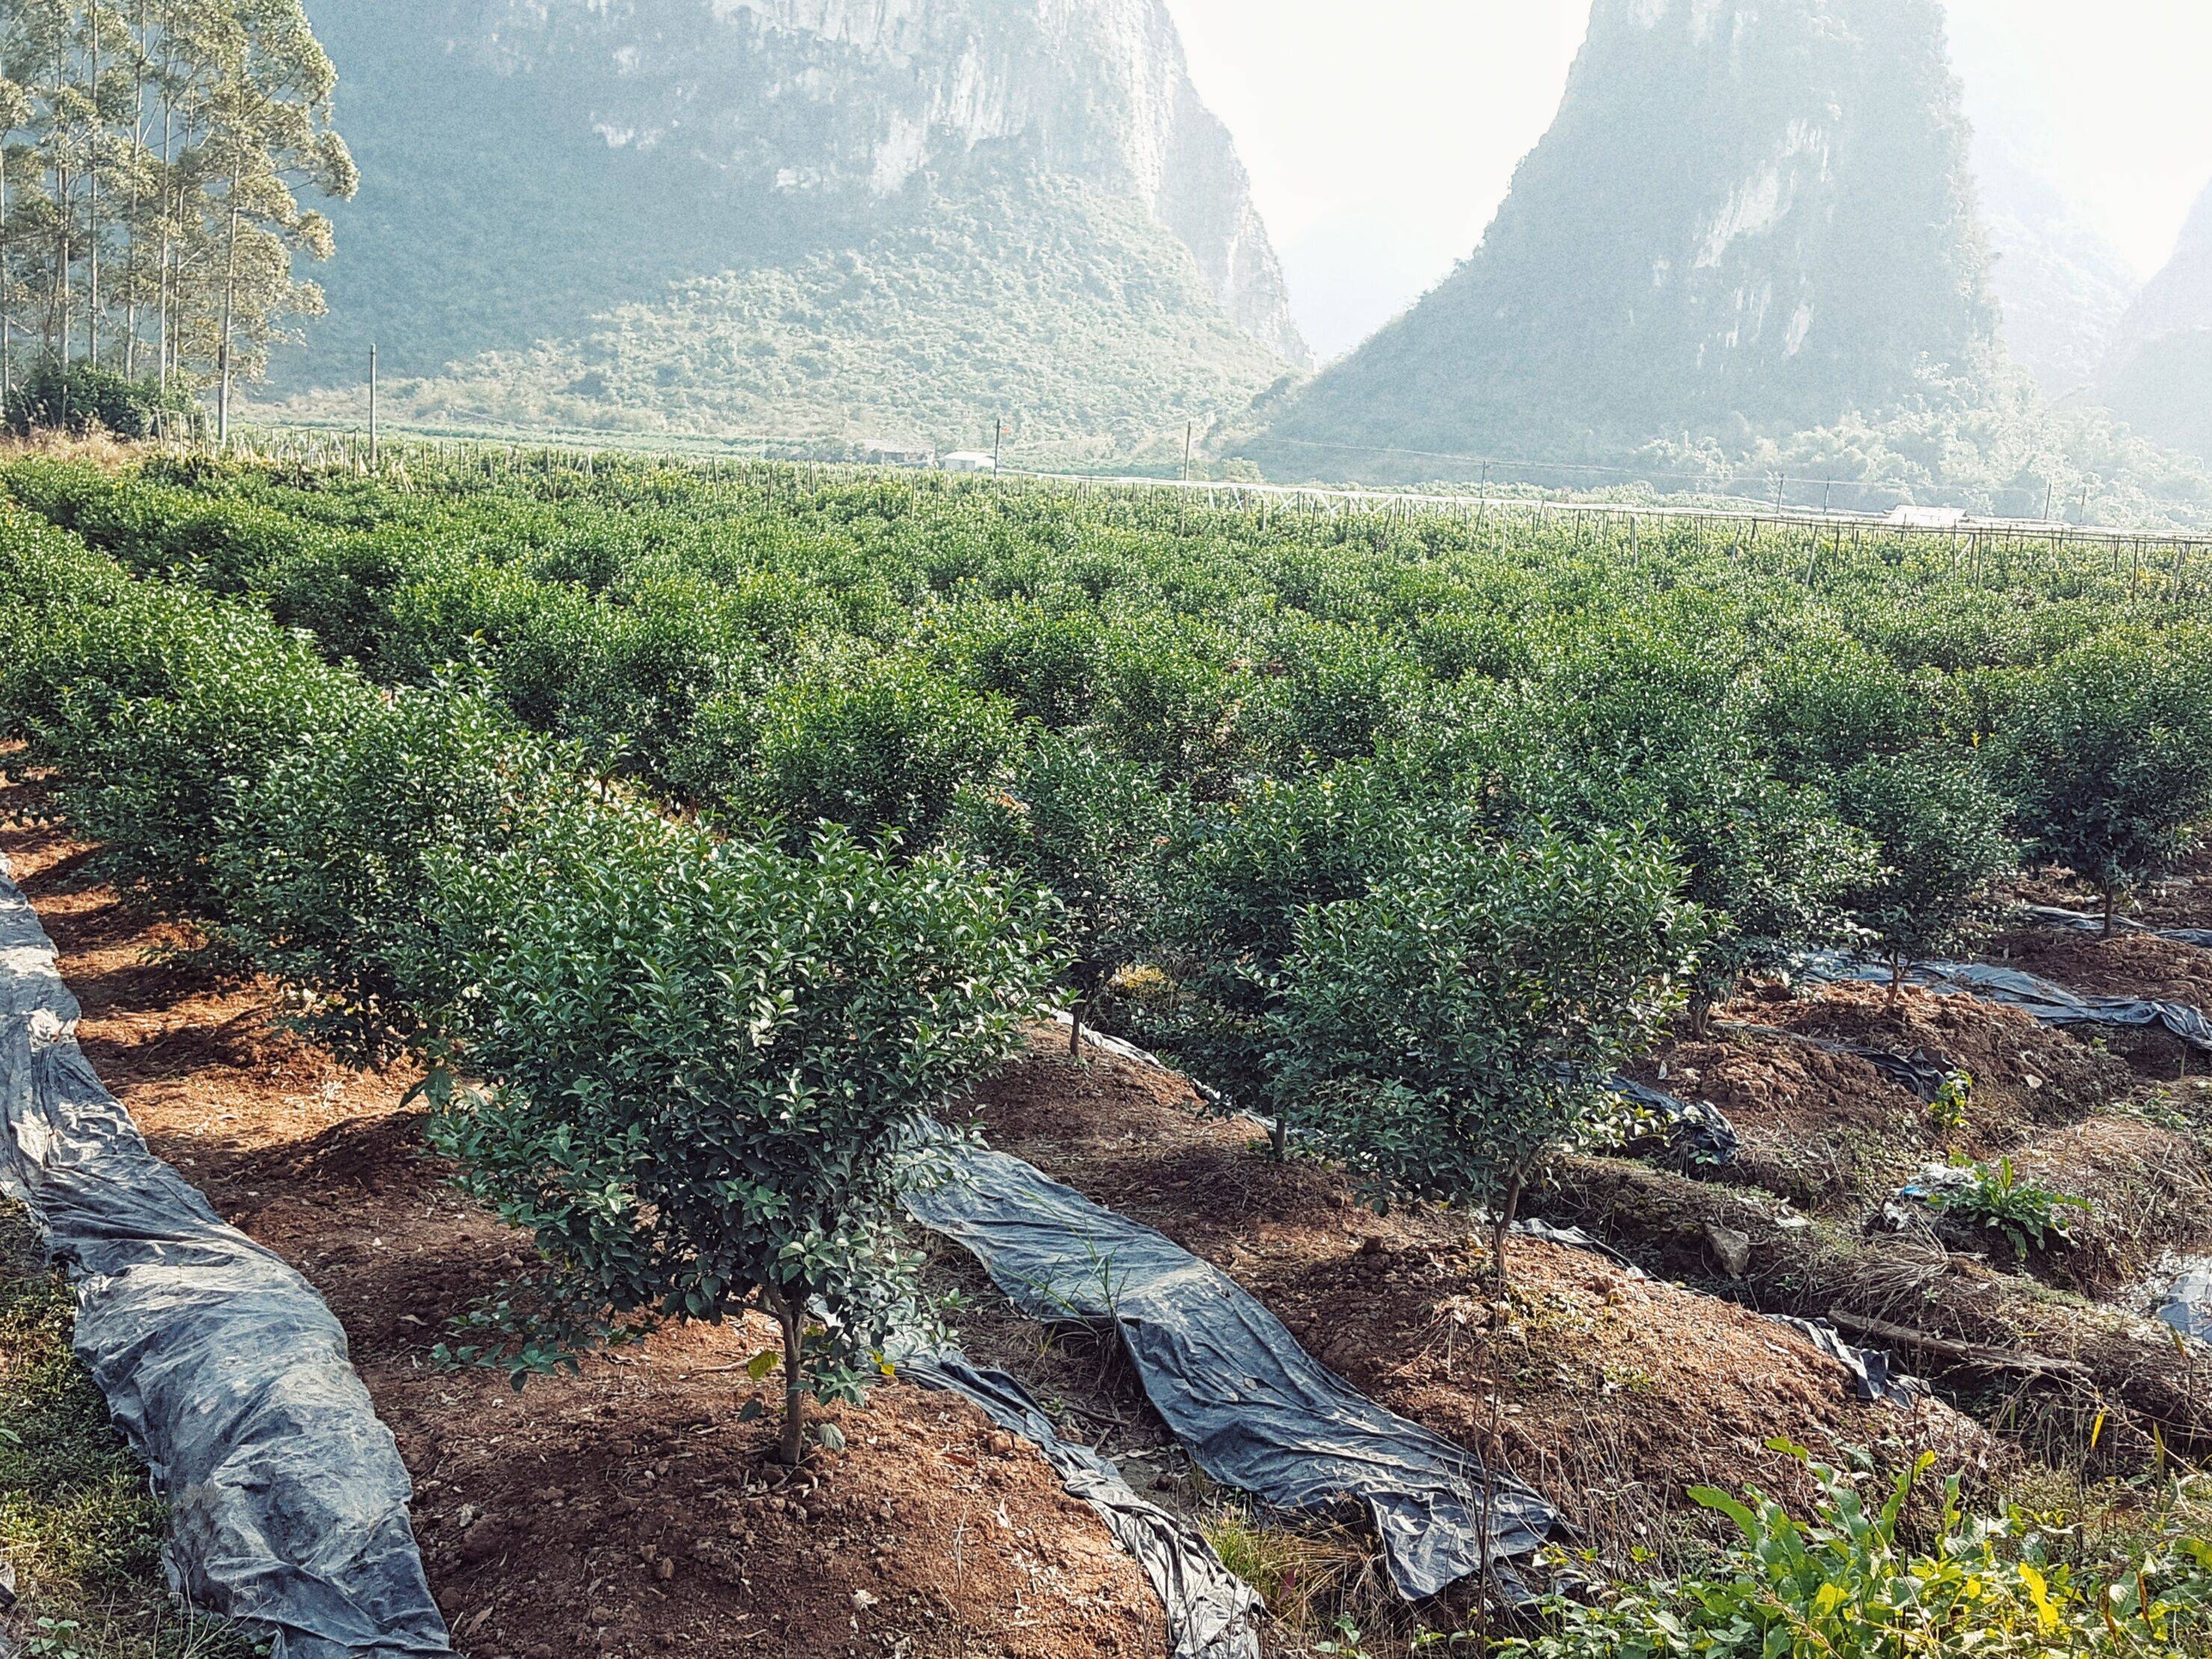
(371, 406)
(1188, 426)
(997, 442)
(2048, 488)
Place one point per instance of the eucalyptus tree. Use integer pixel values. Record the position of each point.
(155, 153)
(270, 131)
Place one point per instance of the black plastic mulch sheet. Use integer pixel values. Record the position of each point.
(288, 1498)
(2080, 922)
(2053, 1004)
(1212, 1613)
(1873, 1373)
(1254, 1409)
(1696, 1130)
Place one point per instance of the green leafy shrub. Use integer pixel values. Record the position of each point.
(1845, 1583)
(340, 867)
(159, 710)
(2107, 754)
(78, 398)
(1938, 831)
(1088, 827)
(1449, 1030)
(1235, 878)
(886, 745)
(1641, 725)
(1997, 1196)
(706, 1064)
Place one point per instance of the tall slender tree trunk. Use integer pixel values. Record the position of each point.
(229, 301)
(168, 184)
(133, 271)
(92, 211)
(7, 291)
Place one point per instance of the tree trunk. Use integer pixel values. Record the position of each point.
(793, 1321)
(229, 295)
(1896, 979)
(92, 210)
(1075, 1030)
(168, 136)
(1701, 1015)
(7, 291)
(133, 272)
(1501, 1230)
(2111, 903)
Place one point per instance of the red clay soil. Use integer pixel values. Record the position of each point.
(1824, 1131)
(2024, 1074)
(1609, 1394)
(625, 1509)
(2183, 899)
(2123, 965)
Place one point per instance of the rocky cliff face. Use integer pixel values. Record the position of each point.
(530, 163)
(1750, 217)
(2159, 376)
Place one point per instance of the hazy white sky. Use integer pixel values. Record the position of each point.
(1382, 134)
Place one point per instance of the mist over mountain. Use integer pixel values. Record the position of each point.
(1747, 219)
(797, 216)
(2062, 283)
(2159, 376)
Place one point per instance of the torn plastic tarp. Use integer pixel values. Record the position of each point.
(287, 1499)
(1211, 1613)
(1255, 1411)
(2184, 1297)
(2053, 1004)
(2080, 922)
(1875, 1375)
(1696, 1129)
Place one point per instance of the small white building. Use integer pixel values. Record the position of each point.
(1928, 517)
(969, 460)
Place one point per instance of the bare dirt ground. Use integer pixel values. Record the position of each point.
(623, 1510)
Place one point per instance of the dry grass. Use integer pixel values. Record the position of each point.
(98, 449)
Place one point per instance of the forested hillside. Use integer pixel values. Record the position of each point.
(1746, 221)
(794, 219)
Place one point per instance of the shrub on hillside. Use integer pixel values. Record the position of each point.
(1646, 728)
(1234, 877)
(160, 710)
(342, 868)
(1449, 1031)
(884, 746)
(1086, 826)
(1939, 834)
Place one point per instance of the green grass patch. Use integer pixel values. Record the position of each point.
(79, 1523)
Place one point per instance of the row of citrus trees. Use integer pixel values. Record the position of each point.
(692, 1059)
(1414, 901)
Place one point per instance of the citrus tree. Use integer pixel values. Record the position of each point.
(704, 1065)
(1448, 1030)
(2107, 755)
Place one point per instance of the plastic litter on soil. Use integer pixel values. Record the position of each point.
(1257, 1412)
(2049, 1003)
